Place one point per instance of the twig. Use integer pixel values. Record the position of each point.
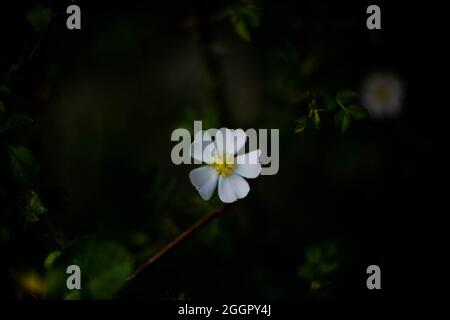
(181, 238)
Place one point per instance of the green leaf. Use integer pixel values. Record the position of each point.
(4, 91)
(329, 104)
(51, 258)
(328, 267)
(251, 16)
(33, 208)
(313, 254)
(240, 27)
(39, 17)
(346, 96)
(105, 267)
(357, 112)
(308, 66)
(316, 117)
(307, 272)
(304, 123)
(73, 295)
(15, 122)
(22, 164)
(343, 120)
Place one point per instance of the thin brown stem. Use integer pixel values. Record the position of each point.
(181, 238)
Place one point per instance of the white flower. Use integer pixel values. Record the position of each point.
(225, 165)
(382, 95)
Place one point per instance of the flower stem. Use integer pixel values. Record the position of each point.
(212, 215)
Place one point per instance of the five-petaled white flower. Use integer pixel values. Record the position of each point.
(382, 95)
(226, 165)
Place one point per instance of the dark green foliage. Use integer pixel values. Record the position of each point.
(39, 17)
(243, 16)
(343, 106)
(105, 267)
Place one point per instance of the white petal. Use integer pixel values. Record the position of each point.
(249, 158)
(224, 141)
(204, 179)
(209, 153)
(232, 188)
(248, 170)
(202, 142)
(202, 135)
(239, 140)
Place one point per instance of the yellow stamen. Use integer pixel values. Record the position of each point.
(224, 164)
(383, 93)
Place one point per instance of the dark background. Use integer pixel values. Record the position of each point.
(106, 98)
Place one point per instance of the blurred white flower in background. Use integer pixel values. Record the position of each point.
(382, 95)
(225, 166)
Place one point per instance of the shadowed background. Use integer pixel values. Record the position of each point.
(105, 100)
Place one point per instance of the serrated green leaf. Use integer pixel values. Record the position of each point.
(343, 120)
(357, 112)
(346, 96)
(240, 27)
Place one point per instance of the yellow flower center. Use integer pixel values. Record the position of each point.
(224, 164)
(383, 93)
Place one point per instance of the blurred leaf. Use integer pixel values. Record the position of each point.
(240, 27)
(329, 104)
(15, 122)
(51, 258)
(2, 107)
(343, 120)
(4, 233)
(304, 123)
(22, 164)
(242, 16)
(322, 260)
(105, 267)
(13, 69)
(316, 117)
(346, 96)
(4, 91)
(313, 254)
(32, 283)
(139, 239)
(39, 17)
(328, 267)
(33, 208)
(357, 112)
(251, 16)
(73, 295)
(308, 66)
(306, 272)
